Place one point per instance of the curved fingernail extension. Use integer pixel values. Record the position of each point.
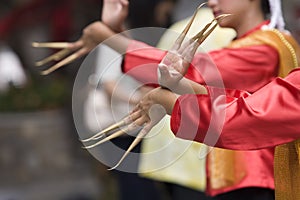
(53, 45)
(135, 142)
(65, 61)
(220, 17)
(183, 34)
(125, 130)
(55, 57)
(112, 136)
(61, 56)
(108, 129)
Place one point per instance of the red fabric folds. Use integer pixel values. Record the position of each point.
(251, 121)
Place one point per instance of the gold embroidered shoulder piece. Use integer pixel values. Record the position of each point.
(286, 46)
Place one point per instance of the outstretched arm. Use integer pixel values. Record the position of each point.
(239, 120)
(114, 13)
(98, 32)
(94, 34)
(113, 16)
(229, 119)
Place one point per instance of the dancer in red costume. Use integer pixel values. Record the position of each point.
(251, 61)
(256, 57)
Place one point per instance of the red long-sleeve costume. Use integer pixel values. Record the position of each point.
(271, 115)
(248, 68)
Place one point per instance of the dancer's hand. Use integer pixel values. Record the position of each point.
(172, 69)
(114, 13)
(92, 35)
(152, 108)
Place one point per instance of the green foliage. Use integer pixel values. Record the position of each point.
(39, 94)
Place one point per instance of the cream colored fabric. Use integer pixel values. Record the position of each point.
(164, 157)
(219, 38)
(170, 159)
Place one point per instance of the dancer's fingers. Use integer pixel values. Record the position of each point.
(55, 57)
(136, 141)
(65, 61)
(183, 34)
(112, 136)
(54, 45)
(106, 130)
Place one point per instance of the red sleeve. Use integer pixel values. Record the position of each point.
(141, 62)
(248, 68)
(239, 120)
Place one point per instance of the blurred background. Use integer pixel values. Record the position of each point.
(40, 154)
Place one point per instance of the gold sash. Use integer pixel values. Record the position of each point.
(226, 168)
(287, 171)
(287, 157)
